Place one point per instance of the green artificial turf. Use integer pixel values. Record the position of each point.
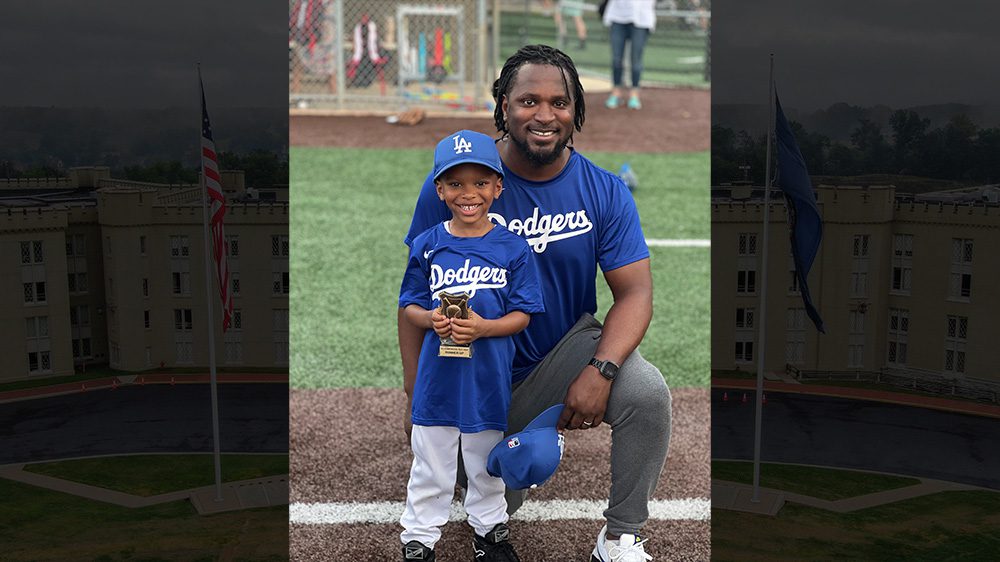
(352, 207)
(944, 526)
(823, 483)
(40, 524)
(150, 475)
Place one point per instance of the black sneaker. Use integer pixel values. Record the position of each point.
(413, 550)
(495, 546)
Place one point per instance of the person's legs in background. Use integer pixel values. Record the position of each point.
(619, 31)
(638, 45)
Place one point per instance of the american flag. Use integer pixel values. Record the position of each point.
(213, 186)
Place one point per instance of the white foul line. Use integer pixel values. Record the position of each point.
(698, 509)
(678, 243)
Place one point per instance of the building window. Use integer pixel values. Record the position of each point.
(142, 245)
(31, 252)
(860, 265)
(237, 320)
(279, 246)
(39, 362)
(744, 351)
(280, 335)
(79, 315)
(180, 282)
(233, 244)
(37, 327)
(234, 278)
(899, 327)
(747, 245)
(145, 319)
(960, 280)
(856, 340)
(179, 247)
(954, 344)
(182, 319)
(744, 317)
(145, 287)
(902, 263)
(76, 245)
(795, 335)
(81, 348)
(34, 292)
(746, 281)
(279, 283)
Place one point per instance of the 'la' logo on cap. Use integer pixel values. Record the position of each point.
(462, 145)
(513, 442)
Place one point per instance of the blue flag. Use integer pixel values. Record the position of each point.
(804, 224)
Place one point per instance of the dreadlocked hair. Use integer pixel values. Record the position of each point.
(538, 54)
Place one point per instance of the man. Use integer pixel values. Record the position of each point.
(575, 216)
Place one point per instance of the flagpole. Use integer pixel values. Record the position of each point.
(211, 323)
(762, 314)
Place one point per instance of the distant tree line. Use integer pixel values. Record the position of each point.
(262, 169)
(957, 151)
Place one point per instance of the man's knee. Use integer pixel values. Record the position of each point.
(647, 395)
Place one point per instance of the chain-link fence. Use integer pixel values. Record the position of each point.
(444, 54)
(386, 54)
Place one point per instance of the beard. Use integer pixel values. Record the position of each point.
(537, 157)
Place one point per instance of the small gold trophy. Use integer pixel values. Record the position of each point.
(454, 306)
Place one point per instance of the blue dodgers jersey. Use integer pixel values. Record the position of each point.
(583, 217)
(498, 271)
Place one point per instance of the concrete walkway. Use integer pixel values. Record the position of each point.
(736, 496)
(242, 494)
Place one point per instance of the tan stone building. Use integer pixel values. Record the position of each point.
(104, 271)
(902, 282)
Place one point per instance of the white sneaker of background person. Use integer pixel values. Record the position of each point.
(628, 548)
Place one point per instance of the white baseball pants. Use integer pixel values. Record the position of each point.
(432, 483)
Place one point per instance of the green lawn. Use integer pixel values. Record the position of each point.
(823, 483)
(149, 475)
(352, 207)
(944, 526)
(40, 524)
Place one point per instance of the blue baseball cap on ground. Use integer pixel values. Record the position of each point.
(528, 458)
(464, 147)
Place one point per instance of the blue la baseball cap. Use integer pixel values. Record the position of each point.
(464, 147)
(530, 457)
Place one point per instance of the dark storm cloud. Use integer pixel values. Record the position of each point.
(143, 53)
(895, 53)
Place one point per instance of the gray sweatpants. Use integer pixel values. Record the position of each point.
(638, 412)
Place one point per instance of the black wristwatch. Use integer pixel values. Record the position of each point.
(608, 369)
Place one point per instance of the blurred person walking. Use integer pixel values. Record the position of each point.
(630, 21)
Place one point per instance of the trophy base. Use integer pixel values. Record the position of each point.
(464, 351)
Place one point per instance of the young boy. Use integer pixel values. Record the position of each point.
(461, 402)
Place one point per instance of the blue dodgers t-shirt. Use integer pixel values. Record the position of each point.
(583, 217)
(498, 271)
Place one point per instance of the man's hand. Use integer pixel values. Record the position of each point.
(586, 400)
(467, 330)
(440, 323)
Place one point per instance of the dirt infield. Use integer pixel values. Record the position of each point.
(670, 121)
(347, 445)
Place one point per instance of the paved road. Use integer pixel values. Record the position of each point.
(151, 418)
(860, 434)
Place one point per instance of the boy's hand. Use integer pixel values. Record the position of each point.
(440, 323)
(467, 330)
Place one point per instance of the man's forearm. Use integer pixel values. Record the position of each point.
(629, 316)
(410, 341)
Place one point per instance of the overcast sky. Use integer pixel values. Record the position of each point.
(143, 53)
(894, 52)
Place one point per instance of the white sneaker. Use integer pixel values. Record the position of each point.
(628, 548)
